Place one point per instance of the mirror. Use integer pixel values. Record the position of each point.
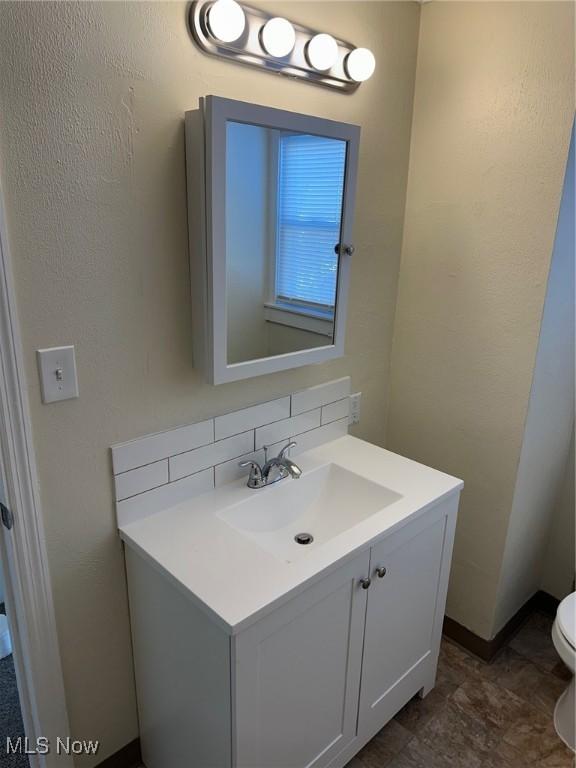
(284, 195)
(270, 207)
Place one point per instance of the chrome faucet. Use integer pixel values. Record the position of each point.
(274, 469)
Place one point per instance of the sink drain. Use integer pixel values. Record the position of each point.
(303, 538)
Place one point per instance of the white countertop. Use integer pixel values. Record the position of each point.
(233, 579)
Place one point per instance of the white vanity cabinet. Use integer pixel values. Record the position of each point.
(309, 682)
(297, 675)
(409, 572)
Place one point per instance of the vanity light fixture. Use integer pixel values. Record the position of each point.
(278, 37)
(226, 20)
(322, 52)
(248, 35)
(360, 64)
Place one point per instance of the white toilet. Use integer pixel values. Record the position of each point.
(564, 639)
(5, 643)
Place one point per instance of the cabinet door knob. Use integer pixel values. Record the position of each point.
(342, 249)
(381, 572)
(365, 583)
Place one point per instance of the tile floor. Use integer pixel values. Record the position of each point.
(480, 715)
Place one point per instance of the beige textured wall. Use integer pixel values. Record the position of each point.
(493, 109)
(549, 425)
(92, 98)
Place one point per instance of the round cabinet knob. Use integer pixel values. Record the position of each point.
(365, 583)
(343, 249)
(381, 572)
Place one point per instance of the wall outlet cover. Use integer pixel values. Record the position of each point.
(355, 403)
(57, 369)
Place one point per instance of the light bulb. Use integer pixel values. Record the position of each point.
(360, 64)
(226, 20)
(278, 37)
(322, 52)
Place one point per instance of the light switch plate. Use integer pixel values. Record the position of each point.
(57, 369)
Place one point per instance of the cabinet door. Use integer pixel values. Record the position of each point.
(400, 650)
(297, 675)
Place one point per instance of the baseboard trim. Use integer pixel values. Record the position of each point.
(487, 649)
(546, 603)
(129, 756)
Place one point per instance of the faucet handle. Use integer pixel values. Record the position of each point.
(255, 480)
(291, 444)
(250, 463)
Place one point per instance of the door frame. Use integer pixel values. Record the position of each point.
(22, 549)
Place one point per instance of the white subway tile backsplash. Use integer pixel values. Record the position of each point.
(161, 445)
(282, 430)
(230, 471)
(316, 437)
(142, 479)
(215, 453)
(334, 411)
(306, 441)
(145, 504)
(157, 471)
(250, 418)
(314, 397)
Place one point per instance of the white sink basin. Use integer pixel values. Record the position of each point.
(232, 550)
(324, 503)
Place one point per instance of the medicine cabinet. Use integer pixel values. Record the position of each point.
(270, 203)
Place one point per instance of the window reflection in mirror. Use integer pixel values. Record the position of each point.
(284, 193)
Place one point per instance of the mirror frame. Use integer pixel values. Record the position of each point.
(208, 258)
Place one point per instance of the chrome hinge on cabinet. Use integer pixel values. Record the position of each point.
(7, 516)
